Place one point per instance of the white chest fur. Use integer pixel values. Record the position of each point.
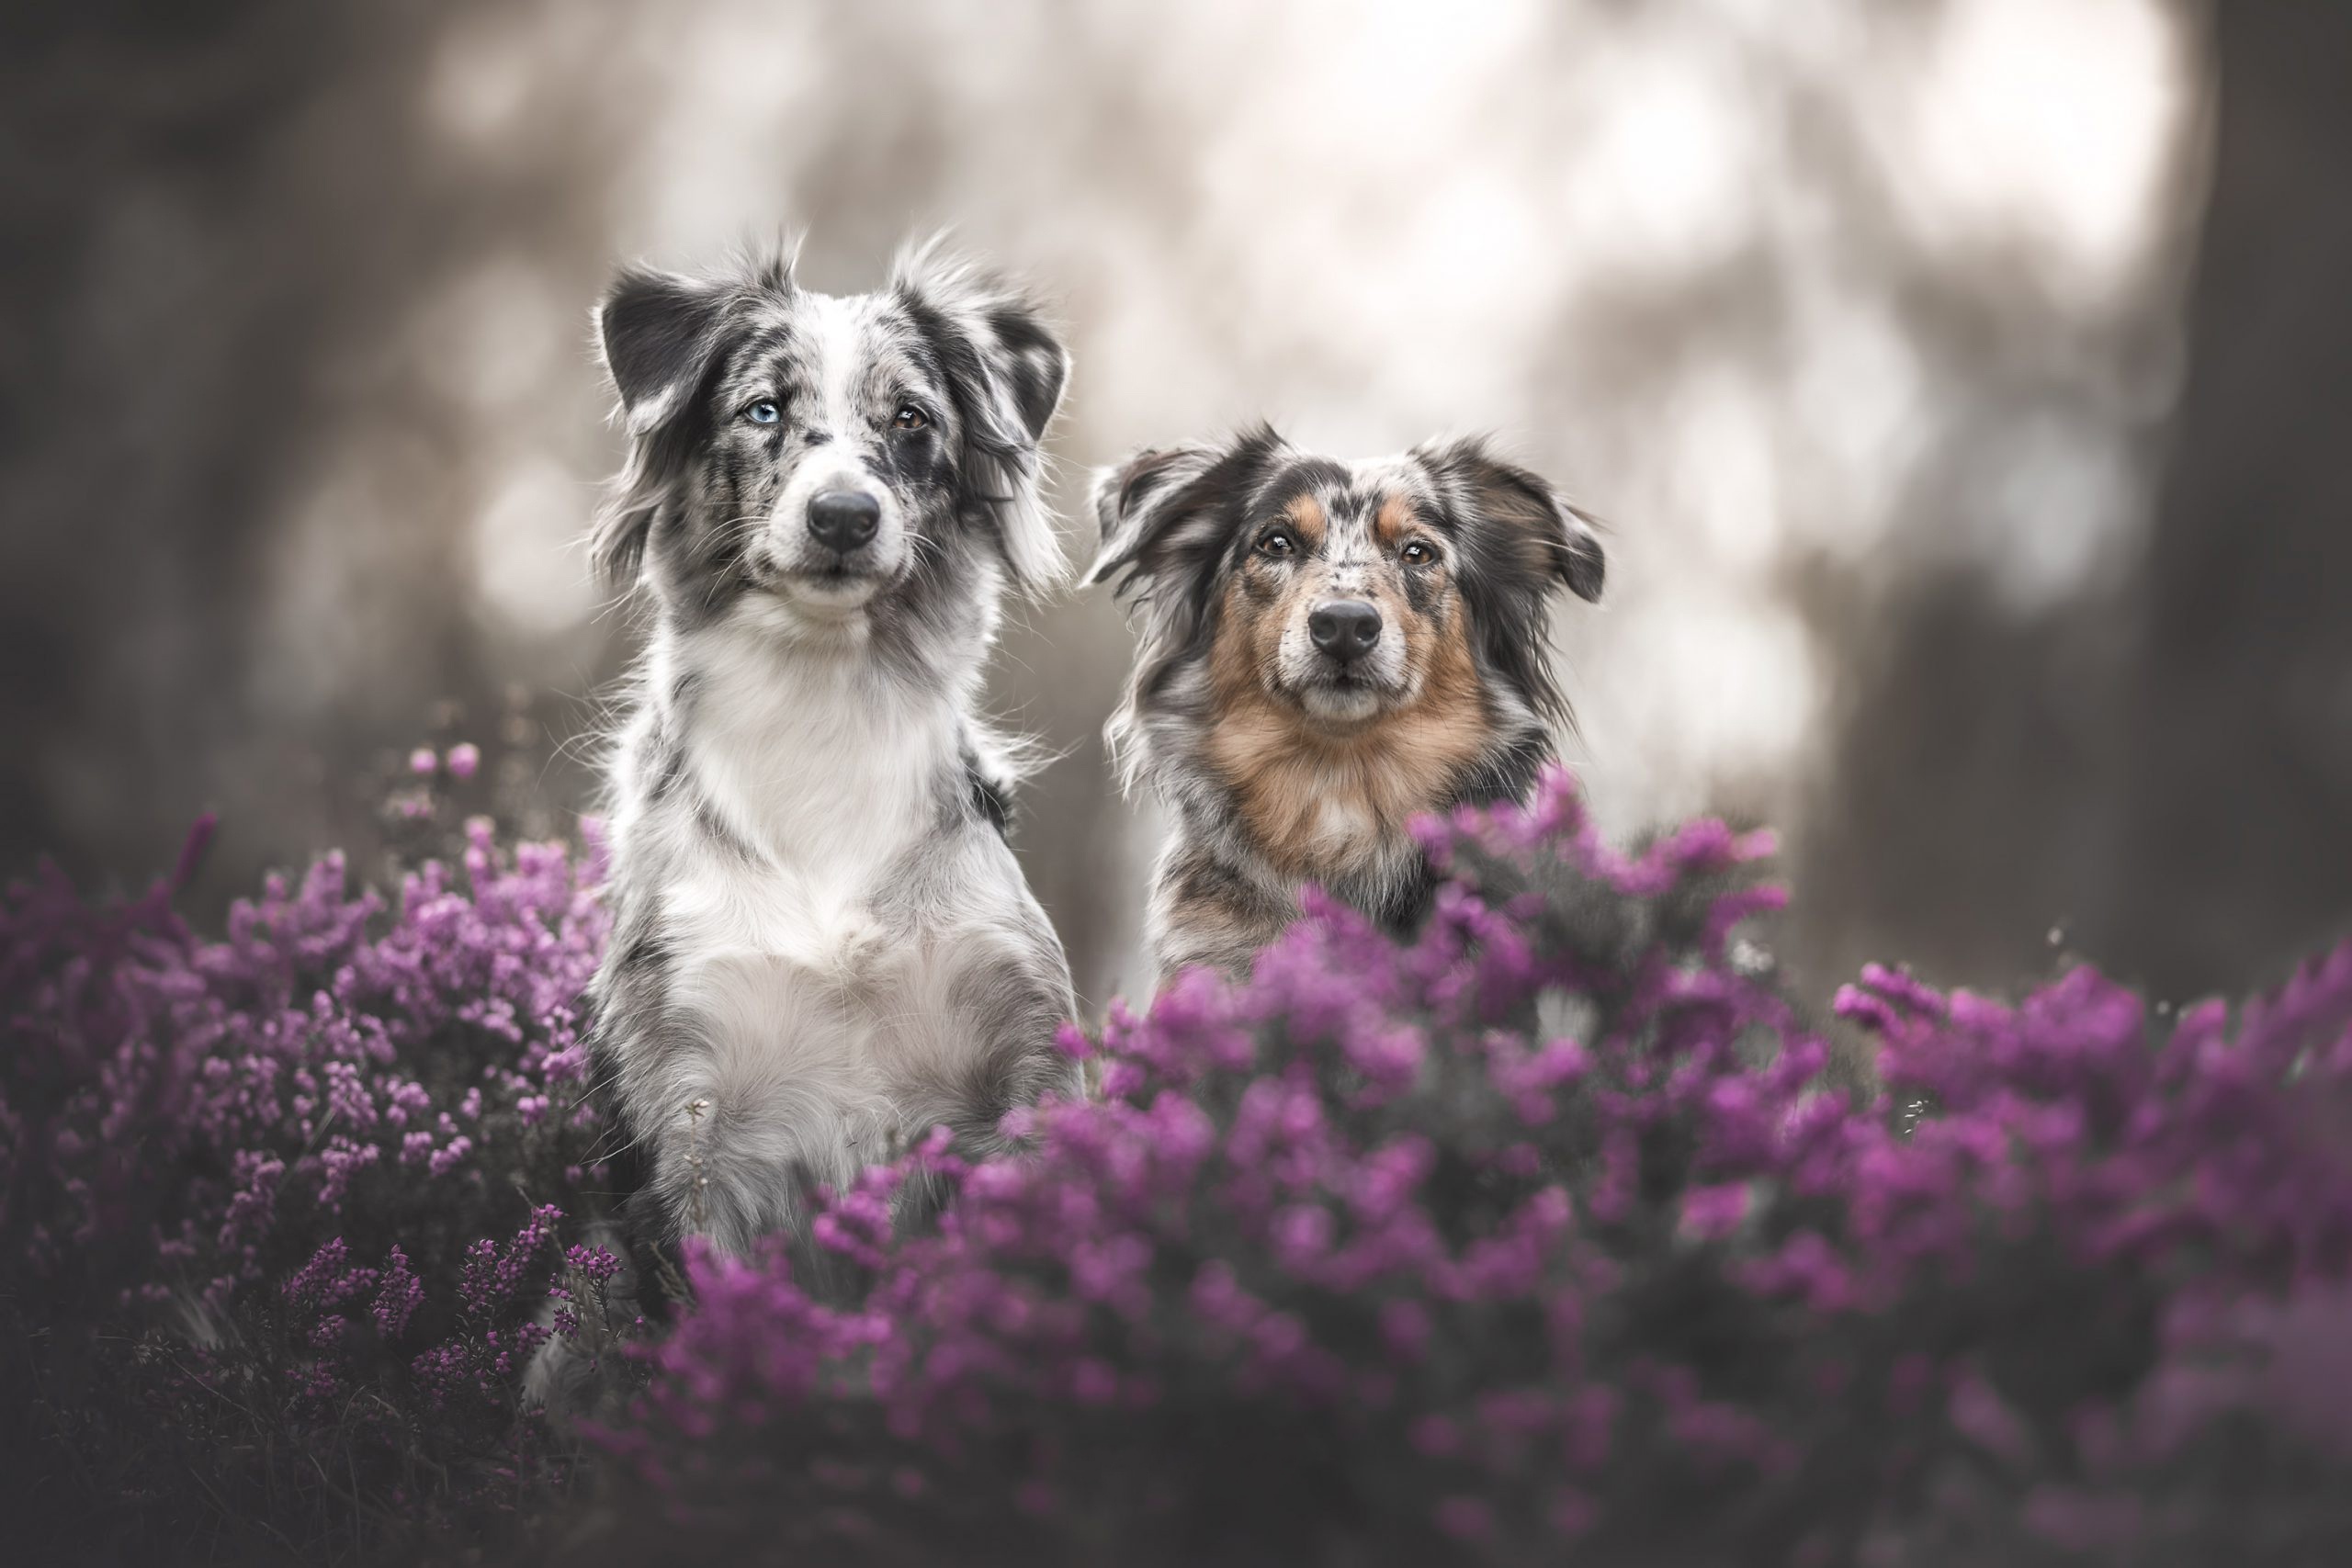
(808, 1017)
(811, 758)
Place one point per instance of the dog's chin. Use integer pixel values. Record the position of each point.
(828, 594)
(1341, 702)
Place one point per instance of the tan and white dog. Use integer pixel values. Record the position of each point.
(1327, 650)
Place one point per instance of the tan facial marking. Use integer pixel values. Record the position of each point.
(1305, 514)
(1319, 801)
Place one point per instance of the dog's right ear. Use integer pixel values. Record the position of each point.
(1160, 508)
(658, 332)
(1138, 501)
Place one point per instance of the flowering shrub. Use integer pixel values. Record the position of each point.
(277, 1212)
(1556, 1230)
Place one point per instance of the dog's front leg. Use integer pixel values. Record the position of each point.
(1005, 1010)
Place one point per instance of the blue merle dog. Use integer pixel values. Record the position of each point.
(823, 946)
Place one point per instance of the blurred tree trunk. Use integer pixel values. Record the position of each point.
(2233, 841)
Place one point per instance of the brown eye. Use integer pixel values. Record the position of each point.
(909, 417)
(1418, 554)
(1277, 544)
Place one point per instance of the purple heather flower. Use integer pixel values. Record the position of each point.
(1268, 1155)
(1713, 1213)
(1355, 1198)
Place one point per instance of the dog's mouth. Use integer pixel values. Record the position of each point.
(829, 582)
(1343, 693)
(835, 573)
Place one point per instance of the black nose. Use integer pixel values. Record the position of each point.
(842, 519)
(1345, 629)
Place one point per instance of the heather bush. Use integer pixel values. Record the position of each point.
(278, 1211)
(1559, 1232)
(1555, 1233)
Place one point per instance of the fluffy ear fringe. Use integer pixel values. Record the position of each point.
(655, 333)
(1564, 538)
(1150, 510)
(995, 338)
(1162, 514)
(1129, 501)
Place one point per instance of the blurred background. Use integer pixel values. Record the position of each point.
(1963, 382)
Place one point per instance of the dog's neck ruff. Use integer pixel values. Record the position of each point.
(823, 762)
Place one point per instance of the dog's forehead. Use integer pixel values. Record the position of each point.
(1395, 474)
(1351, 494)
(805, 337)
(864, 325)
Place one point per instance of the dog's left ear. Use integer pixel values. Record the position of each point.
(1005, 371)
(1555, 539)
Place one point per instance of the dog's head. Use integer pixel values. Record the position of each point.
(827, 458)
(1342, 595)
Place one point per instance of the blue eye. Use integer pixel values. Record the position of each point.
(763, 412)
